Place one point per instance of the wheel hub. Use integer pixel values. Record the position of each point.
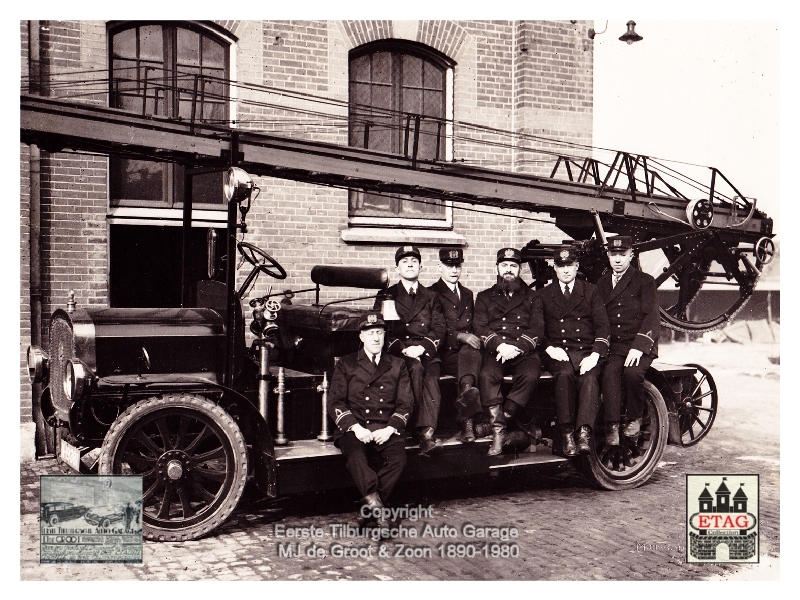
(174, 465)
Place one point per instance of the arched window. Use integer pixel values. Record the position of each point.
(390, 80)
(153, 68)
(158, 64)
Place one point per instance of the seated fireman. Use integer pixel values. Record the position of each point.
(510, 326)
(460, 349)
(370, 402)
(632, 307)
(576, 332)
(415, 337)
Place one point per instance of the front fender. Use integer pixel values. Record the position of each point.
(259, 441)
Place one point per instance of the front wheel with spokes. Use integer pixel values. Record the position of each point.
(698, 407)
(192, 458)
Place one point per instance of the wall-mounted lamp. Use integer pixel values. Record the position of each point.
(630, 36)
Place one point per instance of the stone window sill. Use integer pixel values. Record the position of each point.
(399, 235)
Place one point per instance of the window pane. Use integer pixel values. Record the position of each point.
(213, 53)
(382, 67)
(136, 180)
(188, 47)
(412, 101)
(151, 43)
(124, 44)
(433, 104)
(359, 69)
(412, 71)
(433, 77)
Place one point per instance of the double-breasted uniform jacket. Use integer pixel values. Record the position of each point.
(373, 396)
(503, 320)
(633, 312)
(421, 321)
(458, 314)
(579, 326)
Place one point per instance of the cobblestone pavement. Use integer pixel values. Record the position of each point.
(568, 529)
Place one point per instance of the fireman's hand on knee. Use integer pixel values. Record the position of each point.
(414, 351)
(557, 353)
(363, 434)
(382, 436)
(470, 339)
(633, 357)
(589, 363)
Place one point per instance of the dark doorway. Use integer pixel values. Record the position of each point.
(146, 265)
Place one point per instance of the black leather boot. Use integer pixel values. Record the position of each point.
(498, 430)
(468, 402)
(568, 441)
(584, 435)
(428, 446)
(467, 435)
(612, 434)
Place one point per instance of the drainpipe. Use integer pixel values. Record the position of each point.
(44, 444)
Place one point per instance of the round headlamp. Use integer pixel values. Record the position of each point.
(38, 364)
(236, 184)
(77, 379)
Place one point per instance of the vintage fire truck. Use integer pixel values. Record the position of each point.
(179, 396)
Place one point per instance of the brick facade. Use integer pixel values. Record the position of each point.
(531, 77)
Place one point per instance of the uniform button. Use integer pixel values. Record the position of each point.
(407, 337)
(366, 398)
(407, 324)
(578, 330)
(579, 318)
(619, 325)
(517, 327)
(381, 387)
(504, 326)
(367, 411)
(619, 316)
(563, 330)
(381, 400)
(504, 337)
(562, 320)
(380, 412)
(565, 341)
(519, 316)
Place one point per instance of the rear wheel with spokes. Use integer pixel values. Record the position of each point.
(192, 458)
(698, 407)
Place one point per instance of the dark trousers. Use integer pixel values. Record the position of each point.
(570, 388)
(525, 371)
(464, 361)
(619, 380)
(374, 468)
(425, 386)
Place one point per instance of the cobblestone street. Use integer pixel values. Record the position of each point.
(568, 530)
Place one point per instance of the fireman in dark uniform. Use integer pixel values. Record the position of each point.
(460, 349)
(416, 337)
(632, 307)
(370, 402)
(510, 327)
(576, 331)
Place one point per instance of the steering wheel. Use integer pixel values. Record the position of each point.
(260, 260)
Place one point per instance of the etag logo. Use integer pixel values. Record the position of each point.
(722, 518)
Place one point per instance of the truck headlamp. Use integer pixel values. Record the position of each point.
(38, 364)
(77, 379)
(237, 185)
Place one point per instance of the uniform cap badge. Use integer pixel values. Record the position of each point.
(408, 248)
(372, 318)
(453, 253)
(564, 254)
(509, 253)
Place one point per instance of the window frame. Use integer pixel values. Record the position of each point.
(428, 54)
